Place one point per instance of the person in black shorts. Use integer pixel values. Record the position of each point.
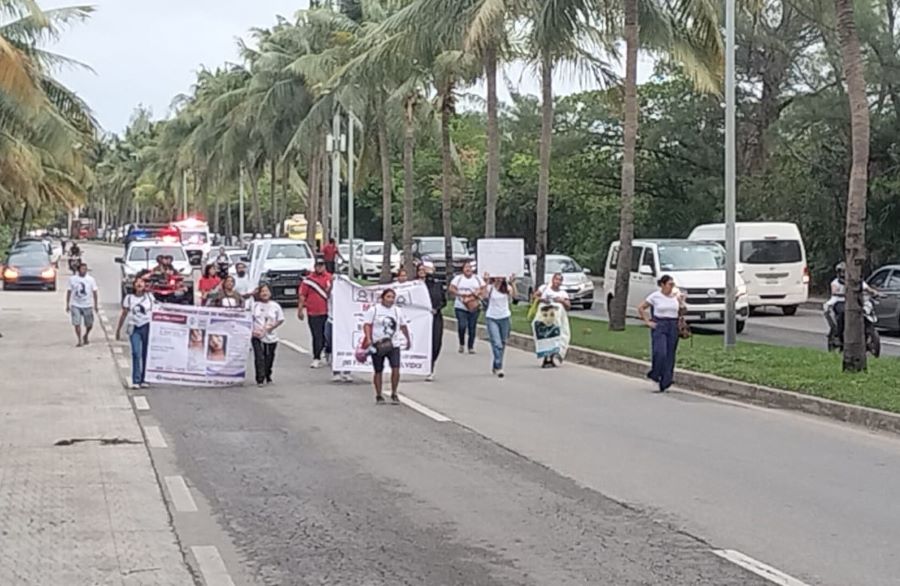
(382, 322)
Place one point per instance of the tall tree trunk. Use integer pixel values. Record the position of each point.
(24, 222)
(409, 138)
(387, 192)
(543, 195)
(493, 144)
(273, 197)
(312, 202)
(229, 222)
(446, 100)
(855, 237)
(618, 305)
(216, 223)
(325, 196)
(285, 178)
(254, 191)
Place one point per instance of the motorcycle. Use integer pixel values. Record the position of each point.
(168, 289)
(835, 318)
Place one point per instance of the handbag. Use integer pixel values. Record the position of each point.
(472, 303)
(684, 330)
(384, 347)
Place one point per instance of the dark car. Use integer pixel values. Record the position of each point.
(33, 244)
(429, 250)
(29, 268)
(887, 281)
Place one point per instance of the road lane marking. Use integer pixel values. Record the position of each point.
(180, 495)
(424, 410)
(155, 437)
(141, 404)
(766, 571)
(295, 347)
(211, 565)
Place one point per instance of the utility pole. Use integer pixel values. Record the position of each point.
(351, 124)
(184, 194)
(336, 176)
(730, 182)
(241, 206)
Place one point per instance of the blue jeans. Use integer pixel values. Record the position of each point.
(139, 339)
(467, 321)
(664, 345)
(498, 334)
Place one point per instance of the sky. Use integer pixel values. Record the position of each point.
(146, 52)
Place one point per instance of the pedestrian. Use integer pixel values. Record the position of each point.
(242, 282)
(226, 295)
(330, 253)
(402, 275)
(379, 330)
(315, 289)
(550, 293)
(467, 288)
(498, 293)
(438, 302)
(664, 307)
(208, 282)
(267, 317)
(82, 302)
(137, 308)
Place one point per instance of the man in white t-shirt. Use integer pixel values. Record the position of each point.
(553, 292)
(81, 302)
(242, 283)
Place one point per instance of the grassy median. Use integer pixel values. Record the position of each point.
(805, 370)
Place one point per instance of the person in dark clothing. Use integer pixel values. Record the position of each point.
(438, 301)
(329, 253)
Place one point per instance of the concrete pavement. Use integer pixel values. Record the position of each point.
(79, 499)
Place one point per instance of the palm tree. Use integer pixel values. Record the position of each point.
(855, 237)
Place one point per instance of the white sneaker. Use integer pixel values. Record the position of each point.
(316, 364)
(347, 377)
(429, 378)
(134, 387)
(337, 378)
(144, 386)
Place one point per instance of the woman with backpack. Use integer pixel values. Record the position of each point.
(382, 322)
(497, 294)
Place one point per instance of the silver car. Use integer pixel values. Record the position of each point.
(576, 281)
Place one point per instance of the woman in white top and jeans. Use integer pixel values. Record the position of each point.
(467, 289)
(664, 307)
(498, 294)
(137, 308)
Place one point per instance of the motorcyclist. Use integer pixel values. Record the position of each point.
(222, 263)
(834, 307)
(74, 258)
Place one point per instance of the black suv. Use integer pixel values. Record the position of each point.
(430, 250)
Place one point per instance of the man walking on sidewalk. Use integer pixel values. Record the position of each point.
(315, 289)
(82, 302)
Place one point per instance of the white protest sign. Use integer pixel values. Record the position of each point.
(501, 257)
(198, 346)
(350, 303)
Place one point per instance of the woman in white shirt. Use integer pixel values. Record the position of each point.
(467, 289)
(664, 307)
(550, 293)
(498, 294)
(382, 322)
(267, 317)
(137, 308)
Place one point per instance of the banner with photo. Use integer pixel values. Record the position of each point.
(198, 346)
(350, 303)
(550, 329)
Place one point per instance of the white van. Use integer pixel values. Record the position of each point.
(773, 258)
(699, 272)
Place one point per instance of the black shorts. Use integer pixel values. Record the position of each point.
(393, 358)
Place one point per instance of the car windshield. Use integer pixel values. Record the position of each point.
(235, 256)
(698, 256)
(562, 264)
(293, 250)
(194, 237)
(344, 249)
(767, 252)
(372, 249)
(31, 258)
(436, 246)
(143, 253)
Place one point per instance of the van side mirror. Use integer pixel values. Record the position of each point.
(587, 271)
(119, 260)
(739, 267)
(647, 270)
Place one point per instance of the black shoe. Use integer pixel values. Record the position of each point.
(395, 399)
(269, 380)
(379, 400)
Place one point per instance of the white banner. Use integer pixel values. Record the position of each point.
(350, 303)
(198, 346)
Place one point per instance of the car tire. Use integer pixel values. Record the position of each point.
(588, 306)
(741, 324)
(789, 310)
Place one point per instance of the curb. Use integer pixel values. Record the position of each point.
(759, 395)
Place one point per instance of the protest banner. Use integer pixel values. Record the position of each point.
(550, 330)
(501, 257)
(350, 303)
(198, 346)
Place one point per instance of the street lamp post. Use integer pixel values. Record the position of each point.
(241, 206)
(336, 176)
(351, 167)
(730, 182)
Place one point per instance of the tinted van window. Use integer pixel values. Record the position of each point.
(765, 252)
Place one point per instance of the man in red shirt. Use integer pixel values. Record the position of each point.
(314, 292)
(329, 253)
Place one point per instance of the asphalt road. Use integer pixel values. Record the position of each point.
(570, 476)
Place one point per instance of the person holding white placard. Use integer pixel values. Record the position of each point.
(497, 314)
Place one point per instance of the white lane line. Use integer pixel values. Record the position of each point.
(211, 565)
(155, 437)
(424, 410)
(141, 404)
(180, 495)
(295, 347)
(771, 574)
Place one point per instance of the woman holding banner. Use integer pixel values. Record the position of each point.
(497, 314)
(438, 302)
(467, 289)
(226, 295)
(380, 327)
(551, 324)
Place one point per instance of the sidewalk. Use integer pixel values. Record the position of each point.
(75, 511)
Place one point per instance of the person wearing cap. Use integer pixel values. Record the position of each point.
(315, 289)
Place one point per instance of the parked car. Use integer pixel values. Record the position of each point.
(887, 280)
(29, 268)
(576, 281)
(774, 261)
(699, 272)
(280, 263)
(368, 258)
(430, 251)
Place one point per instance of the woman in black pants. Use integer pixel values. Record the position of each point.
(267, 317)
(438, 301)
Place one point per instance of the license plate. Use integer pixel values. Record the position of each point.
(290, 291)
(712, 315)
(771, 281)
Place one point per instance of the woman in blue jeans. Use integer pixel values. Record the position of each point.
(467, 289)
(664, 308)
(136, 310)
(498, 293)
